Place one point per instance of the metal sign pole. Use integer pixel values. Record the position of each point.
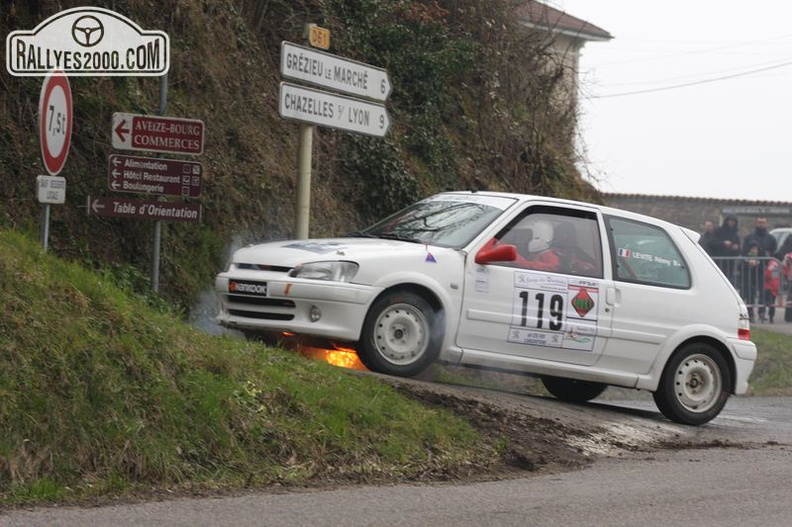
(45, 227)
(304, 149)
(155, 259)
(304, 154)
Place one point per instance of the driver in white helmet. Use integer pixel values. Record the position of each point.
(540, 255)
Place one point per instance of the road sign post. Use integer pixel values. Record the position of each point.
(312, 107)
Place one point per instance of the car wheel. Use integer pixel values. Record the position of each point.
(695, 385)
(401, 335)
(572, 390)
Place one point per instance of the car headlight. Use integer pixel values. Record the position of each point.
(331, 271)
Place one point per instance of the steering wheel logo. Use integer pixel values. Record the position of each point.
(87, 31)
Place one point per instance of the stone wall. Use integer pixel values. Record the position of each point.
(693, 212)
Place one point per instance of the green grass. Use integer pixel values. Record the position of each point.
(102, 394)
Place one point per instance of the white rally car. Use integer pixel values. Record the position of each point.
(581, 295)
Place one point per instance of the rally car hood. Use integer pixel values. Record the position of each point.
(291, 253)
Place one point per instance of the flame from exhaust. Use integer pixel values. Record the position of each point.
(334, 354)
(343, 357)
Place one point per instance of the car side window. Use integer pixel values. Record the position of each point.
(557, 240)
(646, 254)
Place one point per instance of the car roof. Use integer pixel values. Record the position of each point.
(562, 201)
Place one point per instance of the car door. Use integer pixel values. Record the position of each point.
(538, 305)
(652, 295)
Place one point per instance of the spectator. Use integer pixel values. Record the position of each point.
(772, 285)
(726, 246)
(763, 245)
(707, 237)
(784, 256)
(786, 248)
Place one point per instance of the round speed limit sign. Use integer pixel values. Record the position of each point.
(55, 121)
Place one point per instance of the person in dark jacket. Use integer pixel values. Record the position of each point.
(725, 247)
(707, 236)
(764, 246)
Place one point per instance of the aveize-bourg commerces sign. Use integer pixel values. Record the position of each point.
(154, 133)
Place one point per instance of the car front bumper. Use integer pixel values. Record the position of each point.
(306, 307)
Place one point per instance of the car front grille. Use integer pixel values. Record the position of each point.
(260, 308)
(261, 315)
(259, 301)
(263, 267)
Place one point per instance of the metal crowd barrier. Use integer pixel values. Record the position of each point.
(762, 284)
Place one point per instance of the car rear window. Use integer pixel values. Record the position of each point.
(646, 254)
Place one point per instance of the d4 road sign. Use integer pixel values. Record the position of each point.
(157, 134)
(151, 175)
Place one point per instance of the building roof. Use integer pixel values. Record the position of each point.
(730, 201)
(542, 16)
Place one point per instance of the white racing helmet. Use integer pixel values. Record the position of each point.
(542, 236)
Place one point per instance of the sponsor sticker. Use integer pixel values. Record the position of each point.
(247, 288)
(553, 311)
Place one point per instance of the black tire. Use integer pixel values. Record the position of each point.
(402, 335)
(695, 385)
(573, 391)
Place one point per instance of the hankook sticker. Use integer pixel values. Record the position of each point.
(247, 288)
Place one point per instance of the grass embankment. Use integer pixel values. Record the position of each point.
(772, 374)
(102, 394)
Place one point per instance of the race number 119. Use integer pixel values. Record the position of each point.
(537, 308)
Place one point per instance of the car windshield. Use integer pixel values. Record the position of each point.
(446, 220)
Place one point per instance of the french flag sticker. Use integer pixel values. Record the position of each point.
(624, 253)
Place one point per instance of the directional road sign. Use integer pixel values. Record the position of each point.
(152, 175)
(55, 121)
(144, 210)
(321, 108)
(157, 134)
(334, 72)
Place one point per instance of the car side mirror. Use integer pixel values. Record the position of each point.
(496, 253)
